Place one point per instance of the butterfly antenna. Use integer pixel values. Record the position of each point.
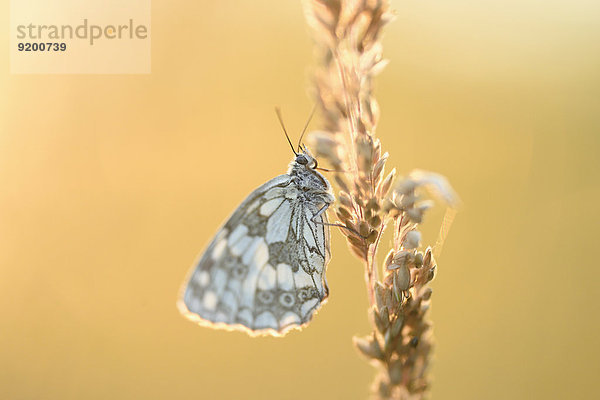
(306, 126)
(278, 112)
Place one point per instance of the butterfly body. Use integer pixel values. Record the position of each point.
(264, 271)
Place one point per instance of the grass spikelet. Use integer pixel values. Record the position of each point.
(347, 34)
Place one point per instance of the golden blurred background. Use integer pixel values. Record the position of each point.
(112, 184)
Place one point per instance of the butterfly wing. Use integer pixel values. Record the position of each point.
(264, 271)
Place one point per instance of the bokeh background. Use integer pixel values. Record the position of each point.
(112, 184)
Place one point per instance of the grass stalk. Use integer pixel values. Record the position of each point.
(347, 36)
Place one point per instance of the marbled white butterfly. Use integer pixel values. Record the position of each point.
(264, 271)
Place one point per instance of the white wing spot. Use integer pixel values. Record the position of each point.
(280, 180)
(229, 300)
(245, 316)
(256, 256)
(261, 255)
(193, 303)
(308, 306)
(319, 228)
(265, 320)
(240, 231)
(235, 285)
(289, 318)
(218, 250)
(241, 245)
(285, 277)
(267, 278)
(219, 280)
(275, 192)
(270, 206)
(202, 278)
(279, 224)
(302, 279)
(311, 237)
(251, 250)
(248, 288)
(210, 300)
(221, 317)
(252, 207)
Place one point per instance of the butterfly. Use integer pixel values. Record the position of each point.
(264, 271)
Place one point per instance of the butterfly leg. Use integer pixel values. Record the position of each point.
(322, 210)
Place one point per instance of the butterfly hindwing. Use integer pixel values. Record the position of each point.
(264, 271)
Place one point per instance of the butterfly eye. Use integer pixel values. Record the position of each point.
(301, 160)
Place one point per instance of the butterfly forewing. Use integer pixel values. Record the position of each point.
(264, 271)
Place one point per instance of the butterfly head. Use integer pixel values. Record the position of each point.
(305, 170)
(306, 160)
